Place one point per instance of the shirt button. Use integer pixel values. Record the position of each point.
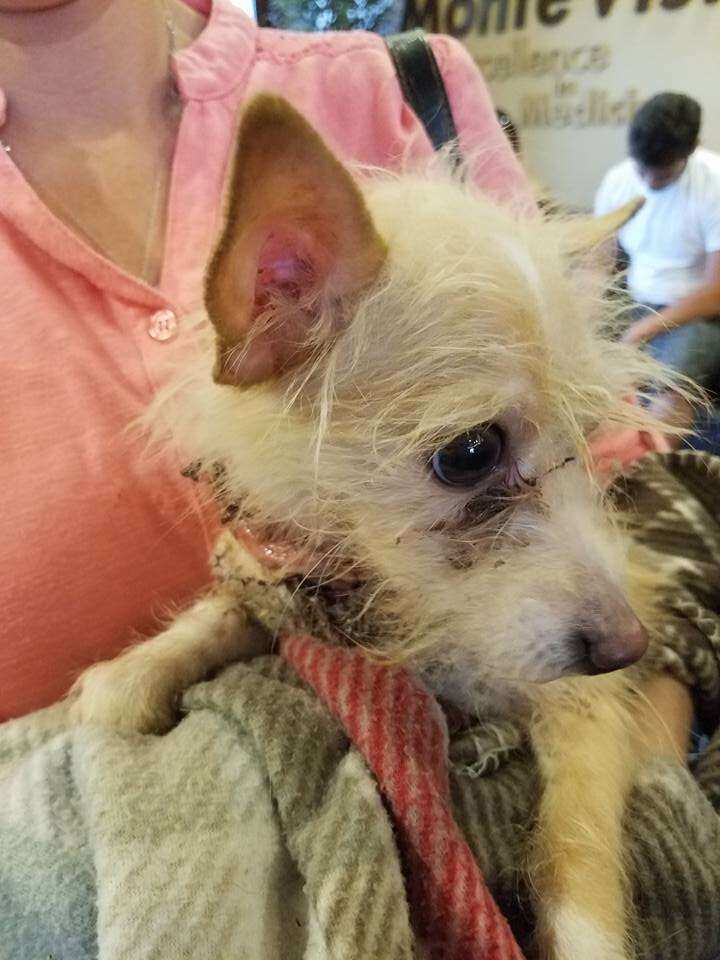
(163, 325)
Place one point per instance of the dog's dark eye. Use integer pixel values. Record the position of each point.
(470, 458)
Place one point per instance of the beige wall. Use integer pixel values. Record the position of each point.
(570, 77)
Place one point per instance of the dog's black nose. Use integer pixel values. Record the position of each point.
(605, 651)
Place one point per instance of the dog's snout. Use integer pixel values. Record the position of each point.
(612, 646)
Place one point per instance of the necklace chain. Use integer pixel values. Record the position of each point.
(172, 49)
(174, 99)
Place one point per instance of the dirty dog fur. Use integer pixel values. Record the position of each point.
(401, 383)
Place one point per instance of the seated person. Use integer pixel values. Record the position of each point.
(109, 202)
(672, 243)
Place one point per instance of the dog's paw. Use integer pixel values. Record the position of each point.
(575, 935)
(125, 695)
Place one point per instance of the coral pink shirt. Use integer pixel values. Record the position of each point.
(98, 541)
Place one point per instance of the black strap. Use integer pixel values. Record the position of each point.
(422, 86)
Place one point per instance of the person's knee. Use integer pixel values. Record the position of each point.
(693, 351)
(674, 410)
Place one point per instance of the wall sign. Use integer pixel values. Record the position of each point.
(571, 73)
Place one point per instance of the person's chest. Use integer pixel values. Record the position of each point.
(668, 230)
(98, 537)
(111, 192)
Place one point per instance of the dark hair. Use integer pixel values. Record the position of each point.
(509, 129)
(664, 129)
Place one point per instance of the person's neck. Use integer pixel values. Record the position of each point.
(89, 66)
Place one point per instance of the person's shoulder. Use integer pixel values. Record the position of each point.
(703, 182)
(622, 174)
(357, 46)
(704, 192)
(619, 184)
(288, 46)
(706, 158)
(347, 83)
(705, 167)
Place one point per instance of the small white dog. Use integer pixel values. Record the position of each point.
(405, 377)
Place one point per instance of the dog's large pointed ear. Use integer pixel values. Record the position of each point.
(584, 234)
(297, 241)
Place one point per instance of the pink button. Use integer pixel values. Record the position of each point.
(163, 325)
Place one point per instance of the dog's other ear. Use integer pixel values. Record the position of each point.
(584, 234)
(297, 240)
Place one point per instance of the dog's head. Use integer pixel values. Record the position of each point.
(405, 376)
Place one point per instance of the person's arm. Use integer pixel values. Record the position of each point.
(705, 302)
(665, 717)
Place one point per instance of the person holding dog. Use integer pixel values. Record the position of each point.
(117, 119)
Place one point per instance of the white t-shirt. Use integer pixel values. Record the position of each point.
(669, 238)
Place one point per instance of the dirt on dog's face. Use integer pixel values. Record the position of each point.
(405, 380)
(455, 408)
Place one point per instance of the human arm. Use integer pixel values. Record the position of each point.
(665, 717)
(704, 303)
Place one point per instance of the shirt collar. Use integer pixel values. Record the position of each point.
(216, 61)
(220, 57)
